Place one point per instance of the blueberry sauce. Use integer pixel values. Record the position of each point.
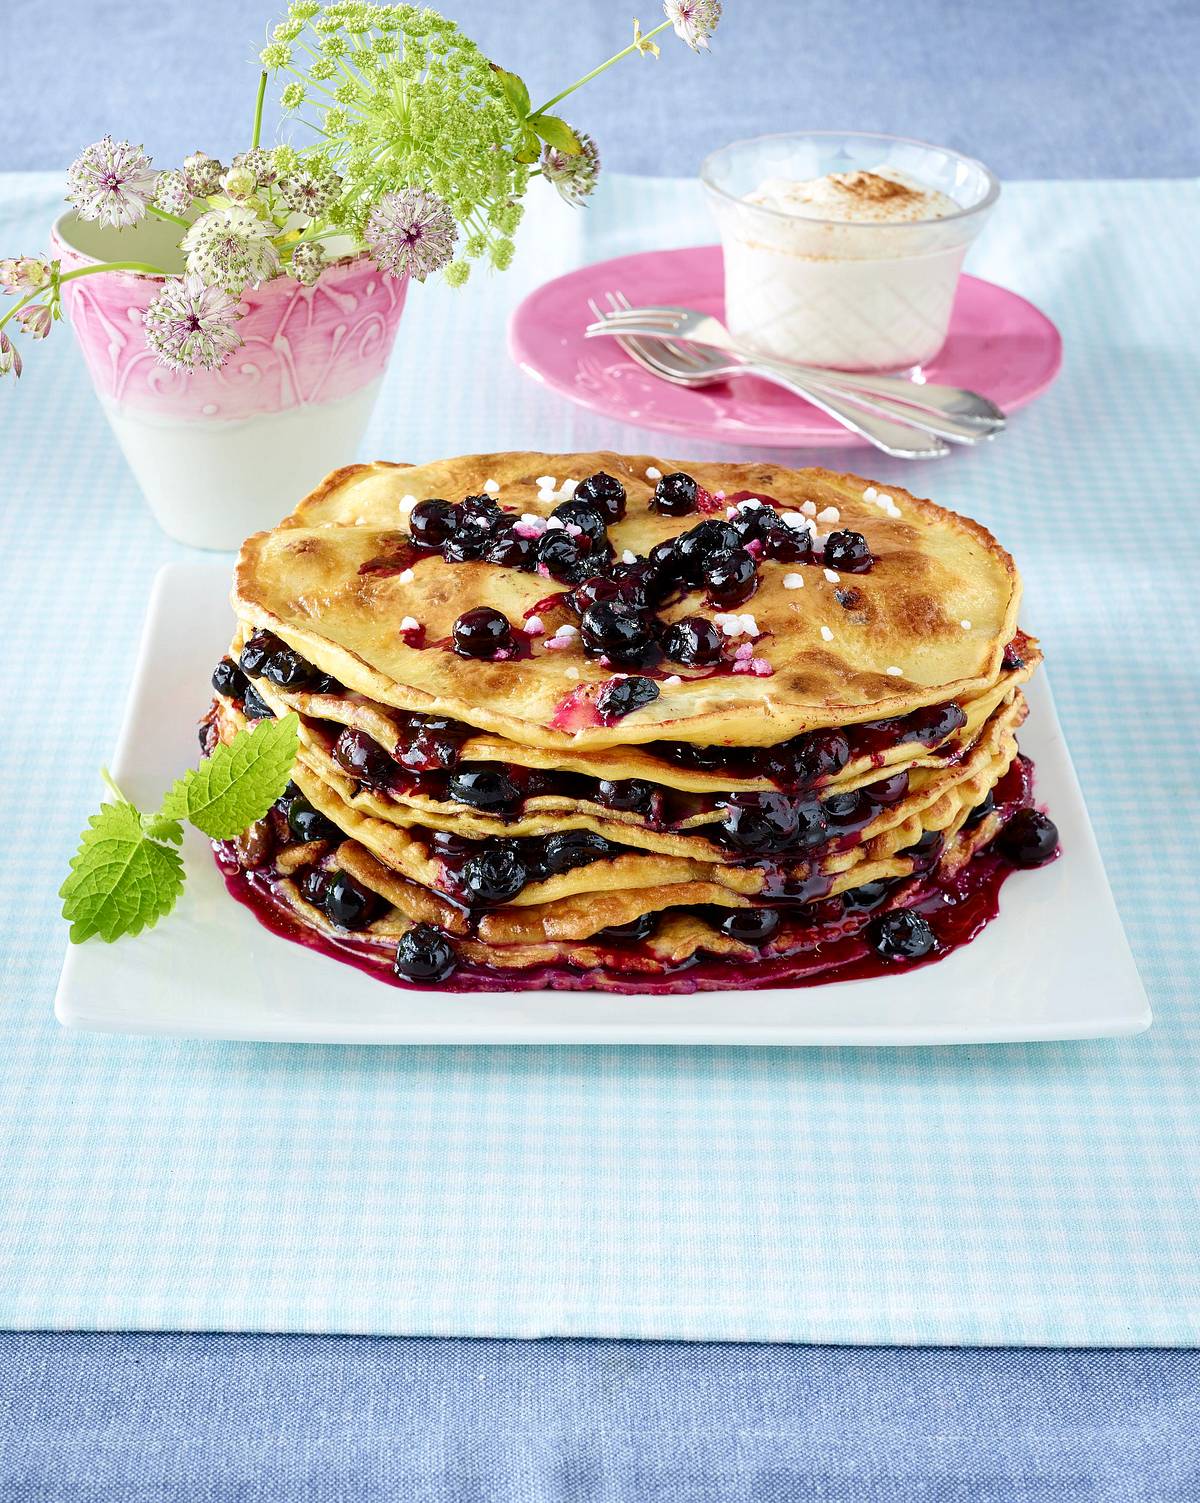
(807, 939)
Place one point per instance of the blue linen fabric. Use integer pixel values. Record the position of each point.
(159, 1418)
(1080, 88)
(1006, 1194)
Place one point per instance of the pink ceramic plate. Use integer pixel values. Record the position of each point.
(999, 345)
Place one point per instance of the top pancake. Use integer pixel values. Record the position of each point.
(933, 570)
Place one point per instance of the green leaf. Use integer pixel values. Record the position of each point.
(238, 783)
(120, 881)
(515, 91)
(530, 148)
(557, 132)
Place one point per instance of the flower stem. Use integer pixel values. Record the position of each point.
(174, 218)
(596, 72)
(258, 109)
(85, 271)
(111, 785)
(90, 271)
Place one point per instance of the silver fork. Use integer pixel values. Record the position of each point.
(968, 415)
(692, 366)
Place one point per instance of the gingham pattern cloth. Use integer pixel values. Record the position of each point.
(1041, 1194)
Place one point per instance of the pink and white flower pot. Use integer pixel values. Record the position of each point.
(221, 454)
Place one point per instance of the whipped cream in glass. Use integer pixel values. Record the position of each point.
(844, 250)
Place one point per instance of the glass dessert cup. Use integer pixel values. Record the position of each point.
(851, 294)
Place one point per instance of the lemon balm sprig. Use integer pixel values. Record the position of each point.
(128, 872)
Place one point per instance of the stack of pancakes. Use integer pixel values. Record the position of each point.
(554, 809)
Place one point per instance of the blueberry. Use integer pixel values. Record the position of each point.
(847, 552)
(615, 629)
(228, 679)
(511, 551)
(890, 790)
(630, 795)
(595, 587)
(757, 524)
(866, 897)
(981, 810)
(589, 519)
(933, 724)
(362, 757)
(481, 633)
(284, 801)
(901, 936)
(424, 954)
(488, 788)
(843, 808)
(494, 875)
(789, 545)
(631, 933)
(1030, 838)
(254, 707)
(753, 926)
(640, 584)
(562, 557)
(925, 851)
(466, 546)
(731, 577)
(806, 760)
(348, 905)
(767, 824)
(307, 824)
(694, 642)
(434, 743)
(759, 824)
(481, 513)
(572, 848)
(313, 885)
(288, 669)
(257, 650)
(698, 758)
(605, 493)
(622, 696)
(674, 495)
(696, 548)
(431, 523)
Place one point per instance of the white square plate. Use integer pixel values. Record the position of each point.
(1054, 965)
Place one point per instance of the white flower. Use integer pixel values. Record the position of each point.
(694, 20)
(172, 194)
(411, 233)
(190, 325)
(574, 177)
(309, 192)
(308, 262)
(260, 163)
(111, 181)
(230, 247)
(203, 173)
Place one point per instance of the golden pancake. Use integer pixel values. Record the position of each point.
(321, 582)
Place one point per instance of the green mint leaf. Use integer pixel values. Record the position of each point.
(238, 783)
(557, 132)
(156, 827)
(515, 91)
(120, 881)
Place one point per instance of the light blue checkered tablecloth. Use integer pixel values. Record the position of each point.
(1041, 1194)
